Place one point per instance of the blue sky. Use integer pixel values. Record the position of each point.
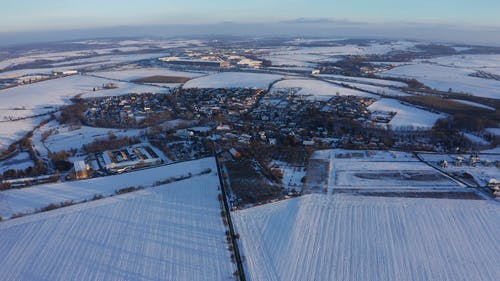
(32, 15)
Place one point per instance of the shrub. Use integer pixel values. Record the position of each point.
(50, 207)
(97, 196)
(128, 189)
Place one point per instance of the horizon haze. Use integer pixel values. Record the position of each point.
(31, 21)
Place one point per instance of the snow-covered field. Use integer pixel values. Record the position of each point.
(318, 89)
(381, 170)
(137, 73)
(380, 90)
(67, 138)
(308, 56)
(487, 63)
(373, 81)
(15, 201)
(348, 237)
(292, 175)
(19, 162)
(406, 116)
(475, 104)
(78, 58)
(233, 80)
(445, 77)
(13, 131)
(475, 139)
(493, 131)
(46, 95)
(169, 232)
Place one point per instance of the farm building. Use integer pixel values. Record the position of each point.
(129, 158)
(81, 170)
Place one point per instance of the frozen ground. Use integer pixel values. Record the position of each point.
(13, 131)
(292, 175)
(309, 56)
(15, 201)
(493, 131)
(66, 138)
(348, 237)
(380, 170)
(80, 58)
(170, 232)
(445, 77)
(381, 90)
(407, 117)
(475, 139)
(21, 161)
(368, 81)
(137, 73)
(233, 80)
(487, 63)
(318, 89)
(47, 95)
(475, 104)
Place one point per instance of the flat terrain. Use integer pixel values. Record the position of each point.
(169, 232)
(407, 116)
(26, 200)
(233, 80)
(379, 170)
(162, 79)
(347, 237)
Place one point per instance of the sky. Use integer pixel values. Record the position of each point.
(25, 16)
(31, 15)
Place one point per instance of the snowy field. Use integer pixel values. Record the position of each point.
(21, 161)
(316, 89)
(381, 170)
(170, 232)
(67, 138)
(233, 80)
(368, 81)
(79, 58)
(137, 73)
(47, 95)
(13, 131)
(309, 56)
(292, 175)
(15, 201)
(487, 63)
(381, 90)
(445, 77)
(348, 237)
(475, 104)
(406, 116)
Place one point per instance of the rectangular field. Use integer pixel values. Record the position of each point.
(169, 232)
(381, 170)
(26, 200)
(351, 237)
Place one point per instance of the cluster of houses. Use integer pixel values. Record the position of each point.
(210, 103)
(475, 161)
(281, 116)
(125, 111)
(472, 161)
